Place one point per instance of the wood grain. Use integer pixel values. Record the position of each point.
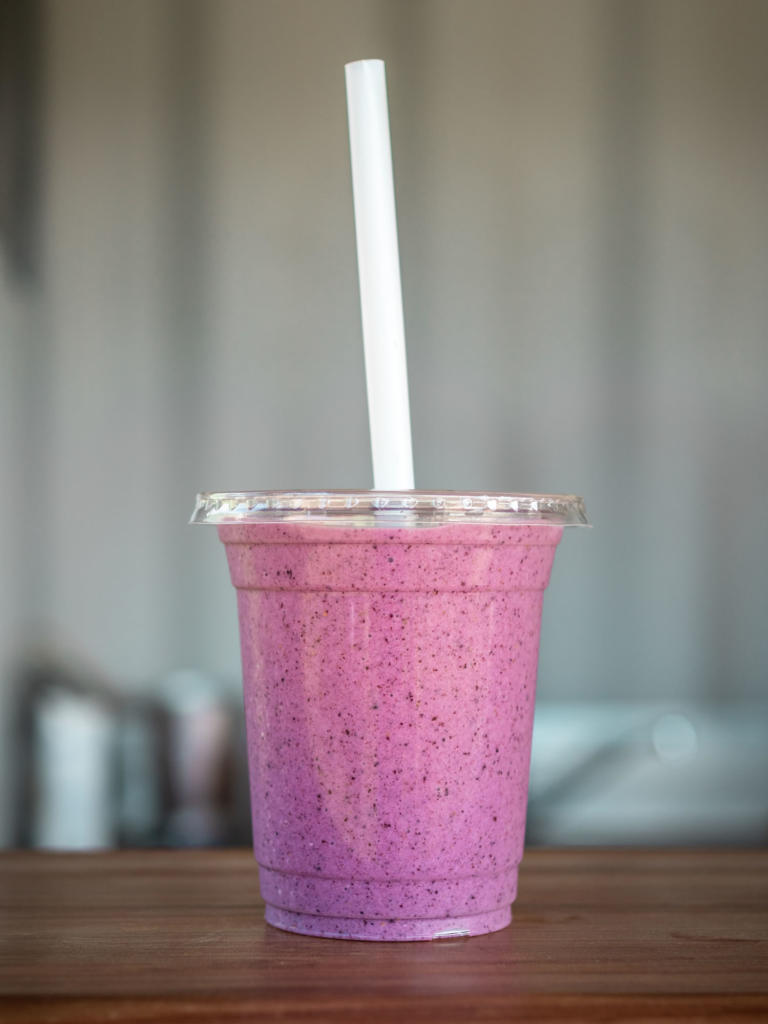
(598, 935)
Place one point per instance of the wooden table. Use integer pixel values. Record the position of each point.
(598, 935)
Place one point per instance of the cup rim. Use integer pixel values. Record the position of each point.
(371, 507)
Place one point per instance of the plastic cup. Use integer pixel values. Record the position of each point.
(389, 646)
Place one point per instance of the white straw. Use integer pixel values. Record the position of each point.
(379, 270)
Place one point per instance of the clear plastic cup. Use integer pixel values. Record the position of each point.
(389, 645)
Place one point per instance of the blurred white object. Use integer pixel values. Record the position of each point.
(74, 775)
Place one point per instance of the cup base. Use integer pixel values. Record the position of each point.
(374, 929)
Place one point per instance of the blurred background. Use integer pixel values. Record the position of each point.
(583, 214)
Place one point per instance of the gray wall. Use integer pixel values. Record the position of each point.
(581, 193)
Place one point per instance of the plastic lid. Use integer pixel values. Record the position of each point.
(390, 508)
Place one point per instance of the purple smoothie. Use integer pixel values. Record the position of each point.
(389, 680)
